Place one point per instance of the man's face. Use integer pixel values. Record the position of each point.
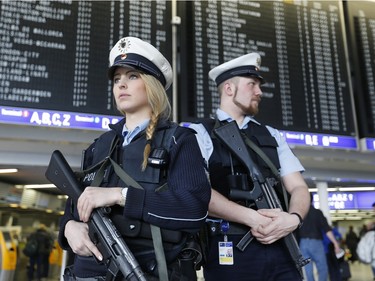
(247, 95)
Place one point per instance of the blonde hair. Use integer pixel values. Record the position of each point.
(160, 108)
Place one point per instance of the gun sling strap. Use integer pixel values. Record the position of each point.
(129, 181)
(265, 158)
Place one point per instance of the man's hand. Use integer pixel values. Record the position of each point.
(281, 225)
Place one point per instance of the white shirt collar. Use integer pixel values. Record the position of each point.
(223, 116)
(129, 135)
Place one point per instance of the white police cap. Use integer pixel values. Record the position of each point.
(136, 53)
(246, 65)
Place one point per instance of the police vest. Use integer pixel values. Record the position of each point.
(222, 164)
(137, 233)
(130, 157)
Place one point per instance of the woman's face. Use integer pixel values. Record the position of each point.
(130, 91)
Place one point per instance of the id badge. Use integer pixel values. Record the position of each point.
(226, 253)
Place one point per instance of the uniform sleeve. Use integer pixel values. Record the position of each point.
(204, 140)
(184, 204)
(68, 215)
(289, 163)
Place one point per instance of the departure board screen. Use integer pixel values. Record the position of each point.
(360, 17)
(54, 54)
(304, 60)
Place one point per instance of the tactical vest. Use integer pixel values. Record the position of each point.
(222, 163)
(136, 233)
(129, 157)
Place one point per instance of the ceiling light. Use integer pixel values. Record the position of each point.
(364, 188)
(346, 211)
(354, 188)
(37, 186)
(8, 171)
(347, 218)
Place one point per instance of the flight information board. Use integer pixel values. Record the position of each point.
(361, 26)
(54, 54)
(358, 200)
(304, 61)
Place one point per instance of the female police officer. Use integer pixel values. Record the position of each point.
(163, 158)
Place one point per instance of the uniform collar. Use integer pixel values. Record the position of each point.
(223, 116)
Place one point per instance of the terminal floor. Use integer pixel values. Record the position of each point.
(21, 271)
(359, 272)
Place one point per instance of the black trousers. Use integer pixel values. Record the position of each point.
(258, 262)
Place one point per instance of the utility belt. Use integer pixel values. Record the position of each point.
(181, 269)
(183, 255)
(219, 228)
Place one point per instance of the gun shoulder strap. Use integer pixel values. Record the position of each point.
(155, 230)
(270, 164)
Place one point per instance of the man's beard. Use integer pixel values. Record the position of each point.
(246, 110)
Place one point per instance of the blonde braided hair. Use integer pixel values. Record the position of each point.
(160, 108)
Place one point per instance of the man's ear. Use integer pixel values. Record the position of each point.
(229, 88)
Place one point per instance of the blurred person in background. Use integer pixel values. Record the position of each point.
(40, 260)
(333, 260)
(311, 236)
(351, 241)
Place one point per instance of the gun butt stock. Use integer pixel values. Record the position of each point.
(230, 135)
(60, 174)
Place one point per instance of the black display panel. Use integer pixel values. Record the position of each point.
(360, 19)
(54, 54)
(304, 60)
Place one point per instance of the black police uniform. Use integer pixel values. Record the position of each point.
(258, 262)
(179, 209)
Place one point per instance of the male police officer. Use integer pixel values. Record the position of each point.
(266, 257)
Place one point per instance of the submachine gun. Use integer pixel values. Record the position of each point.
(116, 255)
(262, 194)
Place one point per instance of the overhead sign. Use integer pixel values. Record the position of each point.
(58, 119)
(360, 200)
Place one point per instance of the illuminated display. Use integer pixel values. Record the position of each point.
(303, 62)
(59, 119)
(361, 26)
(348, 200)
(54, 54)
(370, 144)
(320, 140)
